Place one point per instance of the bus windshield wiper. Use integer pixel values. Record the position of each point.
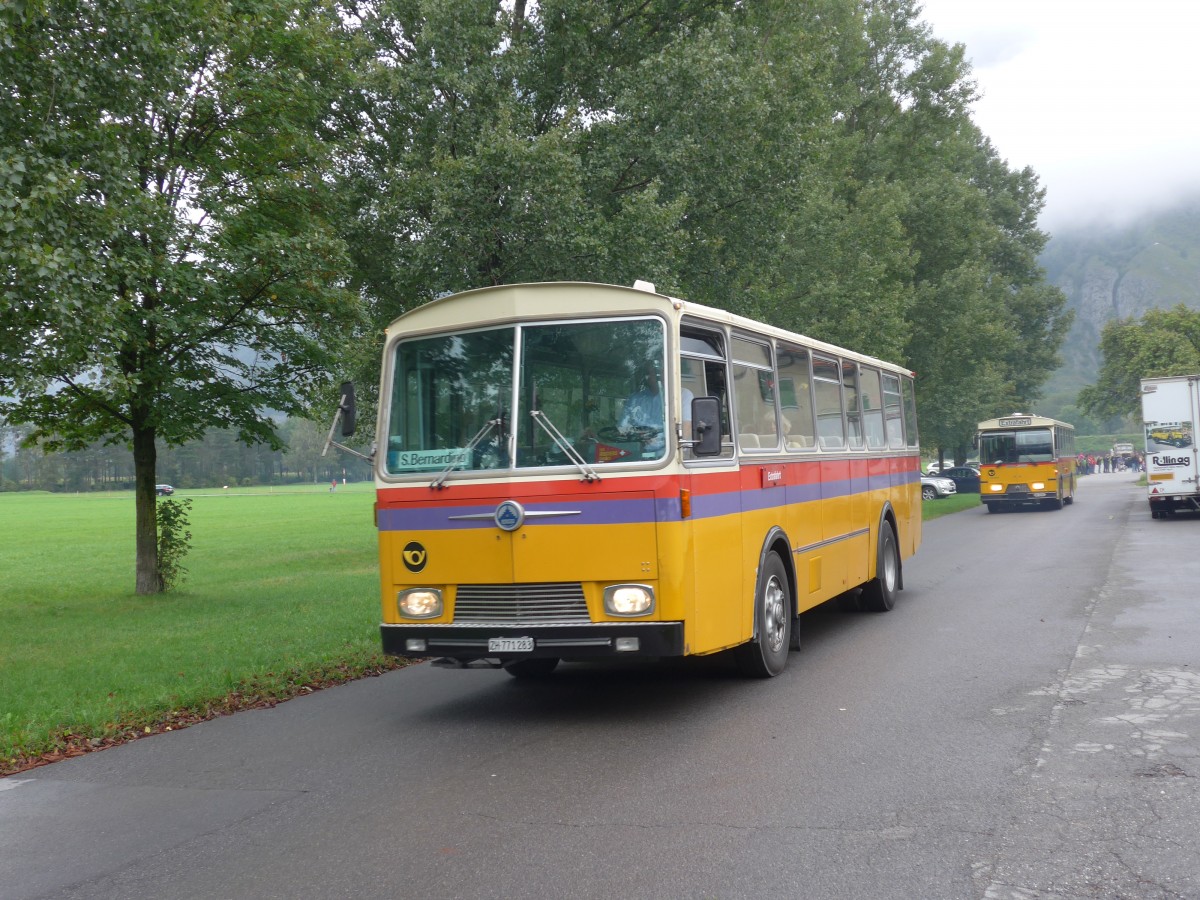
(589, 474)
(457, 461)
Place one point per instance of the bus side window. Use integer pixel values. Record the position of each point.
(691, 381)
(827, 392)
(850, 399)
(757, 428)
(754, 395)
(910, 412)
(703, 372)
(872, 402)
(795, 398)
(893, 415)
(704, 378)
(714, 378)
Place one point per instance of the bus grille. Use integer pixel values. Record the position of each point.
(520, 603)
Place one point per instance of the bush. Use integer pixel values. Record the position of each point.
(174, 540)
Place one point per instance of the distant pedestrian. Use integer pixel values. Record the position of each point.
(333, 486)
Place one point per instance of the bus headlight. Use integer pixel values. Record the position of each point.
(1038, 486)
(996, 488)
(628, 599)
(419, 603)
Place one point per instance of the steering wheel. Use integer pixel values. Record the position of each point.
(641, 433)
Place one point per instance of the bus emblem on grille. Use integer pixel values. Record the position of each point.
(415, 556)
(510, 515)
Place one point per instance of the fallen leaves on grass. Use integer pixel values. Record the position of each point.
(257, 693)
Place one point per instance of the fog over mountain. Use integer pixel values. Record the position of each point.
(1092, 94)
(1113, 271)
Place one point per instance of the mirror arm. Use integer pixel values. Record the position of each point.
(343, 405)
(350, 450)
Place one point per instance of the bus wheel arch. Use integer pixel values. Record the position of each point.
(879, 594)
(777, 542)
(765, 654)
(889, 516)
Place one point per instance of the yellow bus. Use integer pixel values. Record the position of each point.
(1026, 460)
(570, 471)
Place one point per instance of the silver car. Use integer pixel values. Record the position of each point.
(934, 487)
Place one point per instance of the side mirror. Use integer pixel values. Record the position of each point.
(706, 426)
(347, 408)
(346, 413)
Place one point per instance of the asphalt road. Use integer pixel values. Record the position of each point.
(1023, 725)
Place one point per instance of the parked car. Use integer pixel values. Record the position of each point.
(933, 468)
(965, 478)
(934, 487)
(164, 490)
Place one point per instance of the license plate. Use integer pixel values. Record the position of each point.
(510, 644)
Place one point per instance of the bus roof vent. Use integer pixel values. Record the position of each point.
(647, 286)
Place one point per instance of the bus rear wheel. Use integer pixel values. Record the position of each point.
(766, 655)
(879, 594)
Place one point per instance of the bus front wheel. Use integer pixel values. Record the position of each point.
(879, 594)
(766, 655)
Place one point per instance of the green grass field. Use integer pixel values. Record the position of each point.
(934, 509)
(282, 590)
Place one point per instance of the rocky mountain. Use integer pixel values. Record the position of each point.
(1110, 272)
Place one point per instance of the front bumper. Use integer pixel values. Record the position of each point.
(1019, 498)
(570, 642)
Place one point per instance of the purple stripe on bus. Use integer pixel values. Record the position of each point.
(588, 512)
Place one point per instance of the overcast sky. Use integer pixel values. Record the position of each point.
(1100, 97)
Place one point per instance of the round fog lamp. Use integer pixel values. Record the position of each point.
(628, 599)
(419, 603)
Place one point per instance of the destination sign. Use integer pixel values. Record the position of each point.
(1022, 420)
(401, 460)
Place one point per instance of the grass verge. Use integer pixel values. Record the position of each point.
(281, 598)
(933, 509)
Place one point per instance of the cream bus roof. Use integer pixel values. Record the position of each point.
(557, 299)
(1021, 420)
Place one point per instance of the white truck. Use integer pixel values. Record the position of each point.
(1170, 409)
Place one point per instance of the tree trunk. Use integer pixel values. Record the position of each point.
(149, 579)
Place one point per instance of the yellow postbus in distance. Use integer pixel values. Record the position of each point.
(571, 471)
(1026, 460)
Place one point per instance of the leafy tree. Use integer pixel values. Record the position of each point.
(1164, 342)
(168, 254)
(983, 327)
(486, 163)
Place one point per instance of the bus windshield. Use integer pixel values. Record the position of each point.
(536, 395)
(1034, 445)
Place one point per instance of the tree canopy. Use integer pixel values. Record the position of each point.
(1162, 342)
(169, 256)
